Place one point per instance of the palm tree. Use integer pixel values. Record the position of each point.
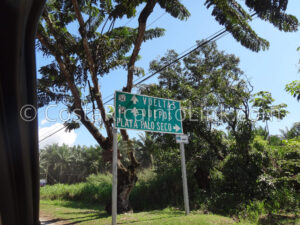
(145, 147)
(291, 133)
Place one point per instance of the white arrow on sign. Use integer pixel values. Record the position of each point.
(176, 127)
(134, 111)
(134, 99)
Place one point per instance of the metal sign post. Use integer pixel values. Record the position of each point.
(115, 177)
(181, 139)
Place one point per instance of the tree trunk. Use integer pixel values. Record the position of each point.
(202, 178)
(126, 181)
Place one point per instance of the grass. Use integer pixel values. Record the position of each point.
(280, 219)
(71, 212)
(65, 203)
(97, 188)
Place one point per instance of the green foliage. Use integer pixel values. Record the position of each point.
(280, 179)
(158, 191)
(217, 96)
(108, 49)
(145, 147)
(235, 18)
(213, 90)
(288, 163)
(253, 211)
(294, 89)
(263, 102)
(283, 199)
(236, 183)
(275, 140)
(71, 125)
(117, 42)
(225, 168)
(175, 8)
(260, 131)
(128, 8)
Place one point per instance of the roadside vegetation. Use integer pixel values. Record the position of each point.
(209, 81)
(271, 197)
(235, 167)
(237, 171)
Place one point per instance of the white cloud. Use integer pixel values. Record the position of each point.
(44, 121)
(60, 138)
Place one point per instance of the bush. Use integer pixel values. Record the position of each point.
(283, 198)
(253, 211)
(157, 191)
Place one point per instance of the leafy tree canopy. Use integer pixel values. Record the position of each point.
(235, 18)
(294, 89)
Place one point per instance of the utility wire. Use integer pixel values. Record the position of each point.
(217, 35)
(185, 51)
(154, 21)
(136, 80)
(49, 132)
(174, 61)
(132, 18)
(211, 38)
(52, 134)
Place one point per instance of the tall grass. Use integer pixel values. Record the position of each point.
(97, 188)
(150, 192)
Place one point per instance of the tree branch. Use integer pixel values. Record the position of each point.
(137, 46)
(77, 101)
(92, 69)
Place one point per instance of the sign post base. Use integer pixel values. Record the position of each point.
(115, 177)
(184, 180)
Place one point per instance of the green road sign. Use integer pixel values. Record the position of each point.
(140, 112)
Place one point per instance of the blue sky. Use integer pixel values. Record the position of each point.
(267, 70)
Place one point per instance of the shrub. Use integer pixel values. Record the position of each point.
(253, 211)
(157, 191)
